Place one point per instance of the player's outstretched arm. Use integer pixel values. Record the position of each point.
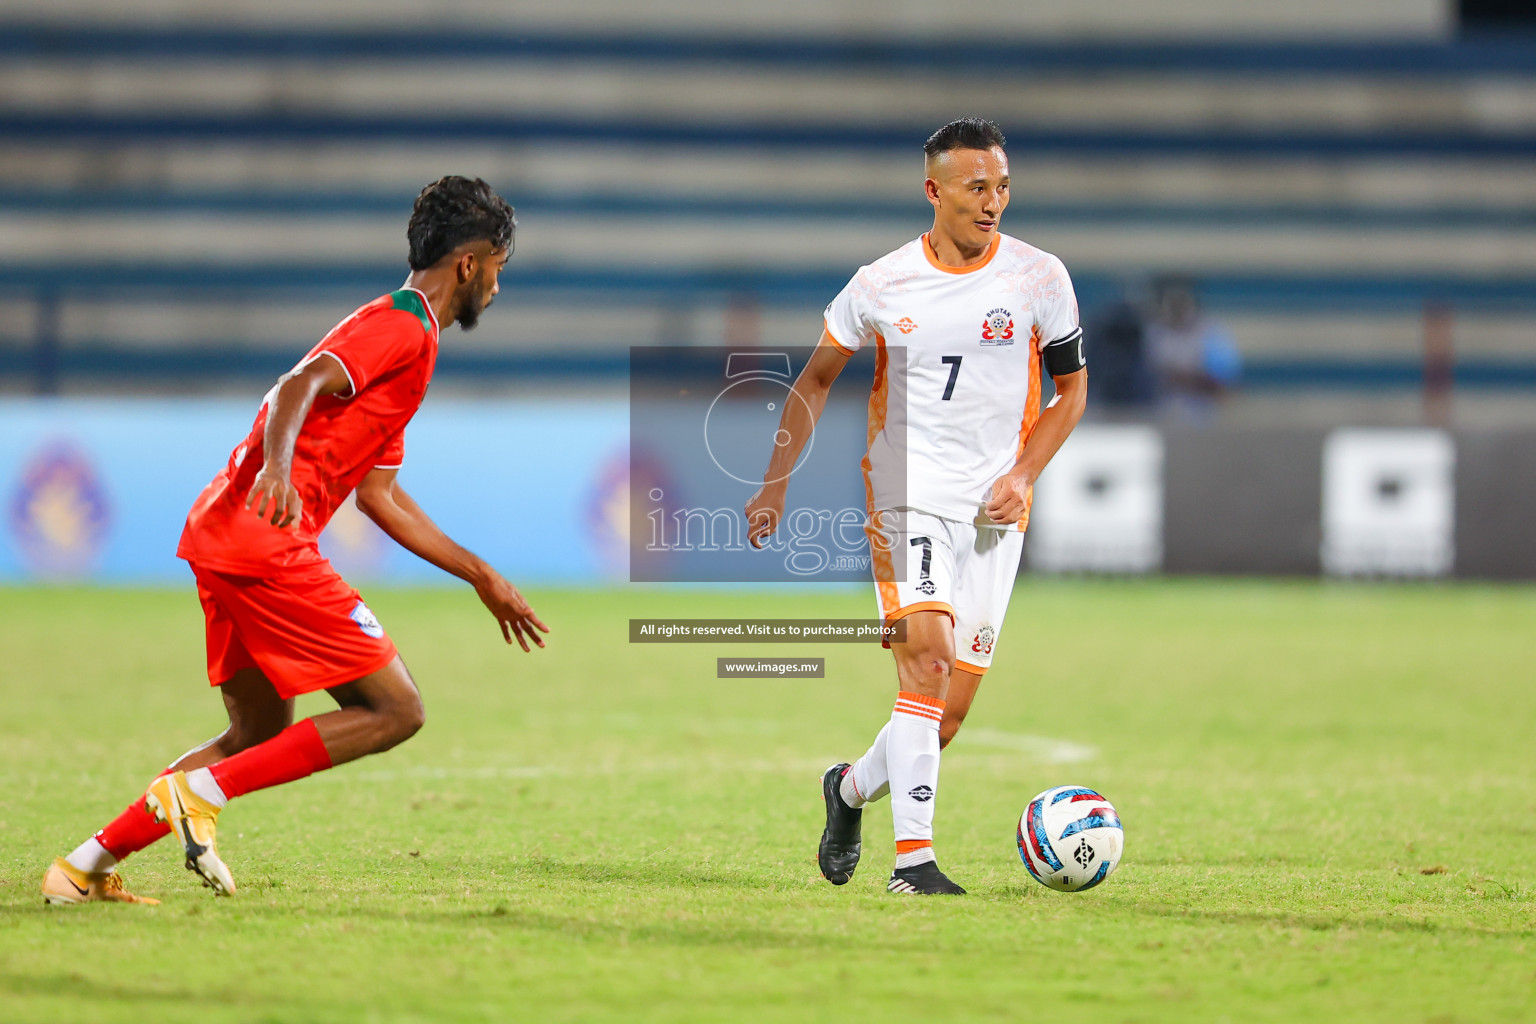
(796, 424)
(382, 499)
(287, 409)
(1010, 494)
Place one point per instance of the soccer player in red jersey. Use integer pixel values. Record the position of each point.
(280, 621)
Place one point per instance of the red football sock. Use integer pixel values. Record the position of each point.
(292, 754)
(132, 830)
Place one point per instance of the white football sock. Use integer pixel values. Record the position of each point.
(202, 782)
(912, 757)
(92, 858)
(868, 780)
(912, 858)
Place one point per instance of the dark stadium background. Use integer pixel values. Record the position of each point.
(191, 197)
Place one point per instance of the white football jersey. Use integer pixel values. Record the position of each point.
(957, 374)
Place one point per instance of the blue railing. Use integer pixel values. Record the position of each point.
(1503, 55)
(269, 125)
(776, 287)
(914, 211)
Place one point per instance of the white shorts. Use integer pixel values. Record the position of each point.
(936, 564)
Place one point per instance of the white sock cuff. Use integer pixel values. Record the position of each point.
(912, 858)
(202, 782)
(92, 858)
(849, 789)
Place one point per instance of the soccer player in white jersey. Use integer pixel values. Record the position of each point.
(957, 439)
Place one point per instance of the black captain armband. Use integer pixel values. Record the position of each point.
(1064, 356)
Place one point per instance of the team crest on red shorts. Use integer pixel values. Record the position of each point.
(997, 328)
(367, 621)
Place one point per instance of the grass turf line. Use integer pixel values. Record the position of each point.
(604, 831)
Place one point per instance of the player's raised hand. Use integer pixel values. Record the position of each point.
(1010, 497)
(273, 488)
(763, 511)
(512, 612)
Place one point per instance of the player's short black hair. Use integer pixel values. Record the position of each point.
(454, 210)
(966, 133)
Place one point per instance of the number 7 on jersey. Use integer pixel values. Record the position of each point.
(954, 374)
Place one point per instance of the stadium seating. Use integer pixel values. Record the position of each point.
(194, 202)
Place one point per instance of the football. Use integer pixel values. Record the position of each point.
(1070, 838)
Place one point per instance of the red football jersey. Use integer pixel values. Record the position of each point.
(388, 349)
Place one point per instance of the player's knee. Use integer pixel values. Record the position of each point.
(415, 718)
(405, 721)
(930, 667)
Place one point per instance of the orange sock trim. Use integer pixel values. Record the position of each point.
(918, 706)
(908, 845)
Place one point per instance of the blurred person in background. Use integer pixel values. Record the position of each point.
(1121, 379)
(1191, 355)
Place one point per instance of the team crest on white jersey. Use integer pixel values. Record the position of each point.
(367, 621)
(997, 328)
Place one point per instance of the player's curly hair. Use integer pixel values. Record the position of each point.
(454, 210)
(966, 133)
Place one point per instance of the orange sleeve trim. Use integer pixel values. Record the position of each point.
(826, 337)
(921, 606)
(918, 698)
(965, 666)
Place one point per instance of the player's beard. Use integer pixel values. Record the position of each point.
(472, 305)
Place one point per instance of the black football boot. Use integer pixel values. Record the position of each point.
(923, 880)
(838, 854)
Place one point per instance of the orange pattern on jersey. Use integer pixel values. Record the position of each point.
(880, 555)
(1031, 416)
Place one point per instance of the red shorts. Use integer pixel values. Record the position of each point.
(305, 628)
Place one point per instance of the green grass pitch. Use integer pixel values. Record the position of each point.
(1328, 795)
